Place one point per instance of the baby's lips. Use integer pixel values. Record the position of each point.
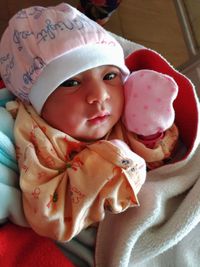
(149, 97)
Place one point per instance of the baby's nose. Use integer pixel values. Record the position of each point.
(98, 93)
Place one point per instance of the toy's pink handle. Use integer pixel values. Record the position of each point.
(149, 97)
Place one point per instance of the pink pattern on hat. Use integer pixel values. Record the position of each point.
(149, 97)
(38, 37)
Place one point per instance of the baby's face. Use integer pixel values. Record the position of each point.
(88, 105)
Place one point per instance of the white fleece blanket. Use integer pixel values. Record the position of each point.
(128, 46)
(164, 230)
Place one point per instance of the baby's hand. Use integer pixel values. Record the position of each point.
(149, 97)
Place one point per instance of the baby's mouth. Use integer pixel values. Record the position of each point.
(99, 118)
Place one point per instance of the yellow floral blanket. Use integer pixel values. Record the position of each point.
(68, 185)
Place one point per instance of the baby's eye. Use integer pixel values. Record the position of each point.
(110, 76)
(70, 83)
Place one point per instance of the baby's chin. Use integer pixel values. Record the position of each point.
(93, 136)
(89, 139)
(92, 133)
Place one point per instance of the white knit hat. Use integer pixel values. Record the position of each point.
(43, 47)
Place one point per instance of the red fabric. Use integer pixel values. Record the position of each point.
(21, 247)
(185, 104)
(1, 84)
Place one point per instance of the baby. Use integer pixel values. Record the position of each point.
(68, 182)
(68, 75)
